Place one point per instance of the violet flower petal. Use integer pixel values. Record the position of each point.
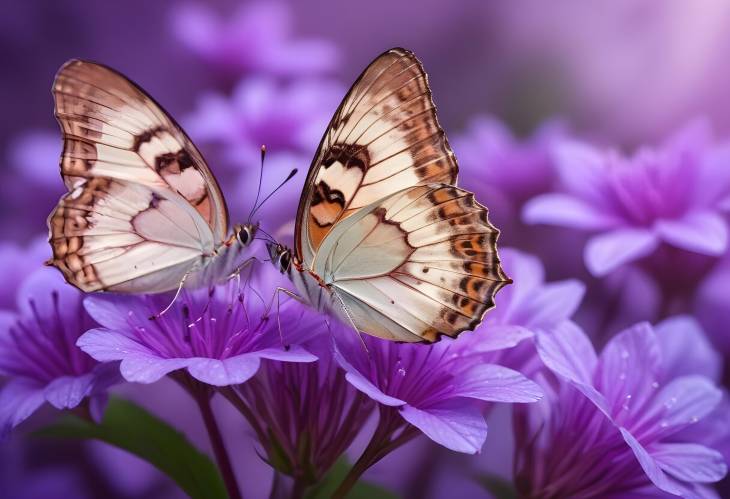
(456, 424)
(19, 399)
(703, 232)
(690, 462)
(494, 383)
(567, 211)
(606, 252)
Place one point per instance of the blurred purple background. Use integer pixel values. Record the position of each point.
(512, 81)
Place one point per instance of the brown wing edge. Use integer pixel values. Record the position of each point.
(313, 167)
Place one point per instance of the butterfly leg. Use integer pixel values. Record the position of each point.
(352, 323)
(291, 294)
(174, 298)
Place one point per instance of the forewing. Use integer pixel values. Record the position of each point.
(384, 137)
(424, 258)
(113, 129)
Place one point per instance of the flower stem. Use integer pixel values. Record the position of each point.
(381, 444)
(219, 447)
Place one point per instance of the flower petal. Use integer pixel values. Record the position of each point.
(457, 424)
(491, 337)
(649, 465)
(105, 345)
(686, 400)
(356, 379)
(294, 353)
(565, 210)
(67, 392)
(111, 311)
(690, 462)
(232, 371)
(629, 366)
(686, 349)
(554, 303)
(702, 232)
(567, 351)
(606, 252)
(18, 400)
(147, 369)
(494, 383)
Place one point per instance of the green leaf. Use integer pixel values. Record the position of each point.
(135, 430)
(361, 490)
(498, 486)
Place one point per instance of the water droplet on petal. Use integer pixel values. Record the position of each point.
(622, 376)
(401, 371)
(655, 385)
(625, 354)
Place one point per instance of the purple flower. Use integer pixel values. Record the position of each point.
(219, 337)
(503, 169)
(622, 422)
(39, 356)
(439, 388)
(673, 194)
(255, 38)
(305, 415)
(286, 117)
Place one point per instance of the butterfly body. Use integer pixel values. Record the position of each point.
(384, 240)
(143, 212)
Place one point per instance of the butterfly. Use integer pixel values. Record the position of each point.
(384, 239)
(143, 212)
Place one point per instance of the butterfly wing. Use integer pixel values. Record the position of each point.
(384, 137)
(419, 263)
(142, 206)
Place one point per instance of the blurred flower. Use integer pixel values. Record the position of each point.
(255, 38)
(436, 388)
(305, 415)
(606, 63)
(287, 117)
(31, 185)
(711, 305)
(672, 194)
(502, 169)
(219, 337)
(620, 422)
(18, 262)
(38, 352)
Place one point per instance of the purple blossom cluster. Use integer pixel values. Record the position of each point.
(606, 354)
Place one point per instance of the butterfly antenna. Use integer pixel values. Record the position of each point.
(261, 177)
(287, 179)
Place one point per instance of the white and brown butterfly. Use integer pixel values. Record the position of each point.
(384, 239)
(144, 213)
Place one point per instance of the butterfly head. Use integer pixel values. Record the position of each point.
(280, 256)
(245, 233)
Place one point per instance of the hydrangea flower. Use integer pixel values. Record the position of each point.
(504, 169)
(257, 37)
(219, 337)
(673, 194)
(38, 352)
(621, 422)
(439, 388)
(305, 415)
